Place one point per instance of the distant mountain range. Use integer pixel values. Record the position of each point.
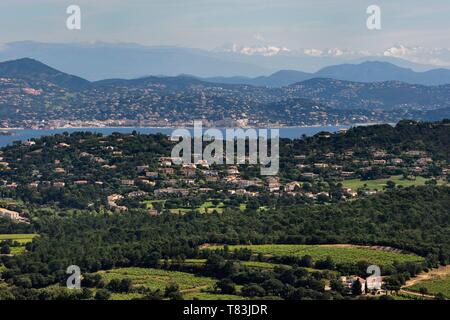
(370, 71)
(98, 61)
(32, 92)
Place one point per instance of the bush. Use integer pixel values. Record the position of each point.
(253, 290)
(102, 294)
(226, 286)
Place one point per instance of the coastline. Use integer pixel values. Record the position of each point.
(191, 126)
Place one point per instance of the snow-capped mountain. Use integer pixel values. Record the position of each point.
(264, 50)
(335, 52)
(418, 54)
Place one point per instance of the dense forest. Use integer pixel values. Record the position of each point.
(413, 219)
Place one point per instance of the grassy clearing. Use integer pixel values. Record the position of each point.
(206, 207)
(191, 286)
(21, 238)
(209, 207)
(260, 265)
(435, 285)
(180, 211)
(211, 296)
(380, 184)
(339, 254)
(149, 203)
(250, 264)
(17, 250)
(409, 297)
(155, 279)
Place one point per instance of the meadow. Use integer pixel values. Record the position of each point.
(380, 184)
(206, 207)
(21, 238)
(191, 286)
(249, 264)
(435, 285)
(339, 253)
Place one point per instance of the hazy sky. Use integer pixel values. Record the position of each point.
(210, 23)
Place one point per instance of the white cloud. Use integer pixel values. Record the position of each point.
(434, 56)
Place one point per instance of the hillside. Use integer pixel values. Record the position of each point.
(367, 71)
(32, 93)
(34, 70)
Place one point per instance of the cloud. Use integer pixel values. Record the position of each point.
(434, 56)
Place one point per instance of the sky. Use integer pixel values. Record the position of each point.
(208, 24)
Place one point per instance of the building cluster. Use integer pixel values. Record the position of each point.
(105, 163)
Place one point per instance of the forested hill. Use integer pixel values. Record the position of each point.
(33, 94)
(432, 137)
(415, 219)
(66, 186)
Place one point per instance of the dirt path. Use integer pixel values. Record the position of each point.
(196, 289)
(438, 272)
(441, 271)
(381, 248)
(417, 294)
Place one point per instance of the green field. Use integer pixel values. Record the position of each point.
(250, 264)
(206, 207)
(150, 203)
(210, 296)
(339, 254)
(379, 184)
(209, 207)
(438, 284)
(158, 279)
(190, 285)
(21, 238)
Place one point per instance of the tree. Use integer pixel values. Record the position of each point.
(439, 296)
(336, 285)
(306, 261)
(423, 291)
(91, 280)
(126, 285)
(273, 286)
(5, 249)
(226, 286)
(86, 294)
(327, 264)
(114, 285)
(172, 292)
(390, 184)
(356, 288)
(102, 294)
(253, 290)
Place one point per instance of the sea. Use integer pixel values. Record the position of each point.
(26, 134)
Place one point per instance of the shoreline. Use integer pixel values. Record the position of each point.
(207, 127)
